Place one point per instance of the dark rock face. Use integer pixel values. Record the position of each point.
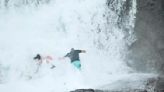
(92, 90)
(148, 51)
(87, 90)
(159, 87)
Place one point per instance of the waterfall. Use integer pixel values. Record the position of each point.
(103, 28)
(20, 3)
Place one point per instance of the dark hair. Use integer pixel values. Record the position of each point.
(37, 57)
(72, 49)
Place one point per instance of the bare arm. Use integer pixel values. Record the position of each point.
(83, 51)
(61, 58)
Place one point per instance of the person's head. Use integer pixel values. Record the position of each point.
(37, 56)
(72, 49)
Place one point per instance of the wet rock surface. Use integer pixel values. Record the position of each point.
(159, 87)
(95, 90)
(87, 90)
(148, 51)
(152, 84)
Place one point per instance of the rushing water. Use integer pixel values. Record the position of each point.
(103, 28)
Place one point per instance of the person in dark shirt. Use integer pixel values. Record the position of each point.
(74, 57)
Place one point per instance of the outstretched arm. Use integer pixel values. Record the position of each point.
(61, 58)
(83, 51)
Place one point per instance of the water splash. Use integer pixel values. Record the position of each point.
(61, 25)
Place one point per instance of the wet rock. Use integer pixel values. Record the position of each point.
(147, 53)
(84, 90)
(159, 87)
(92, 90)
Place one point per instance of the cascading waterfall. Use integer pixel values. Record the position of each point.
(19, 3)
(103, 28)
(114, 32)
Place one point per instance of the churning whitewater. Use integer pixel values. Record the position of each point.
(53, 29)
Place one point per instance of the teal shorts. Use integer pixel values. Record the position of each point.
(77, 64)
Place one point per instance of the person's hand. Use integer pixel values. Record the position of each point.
(83, 51)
